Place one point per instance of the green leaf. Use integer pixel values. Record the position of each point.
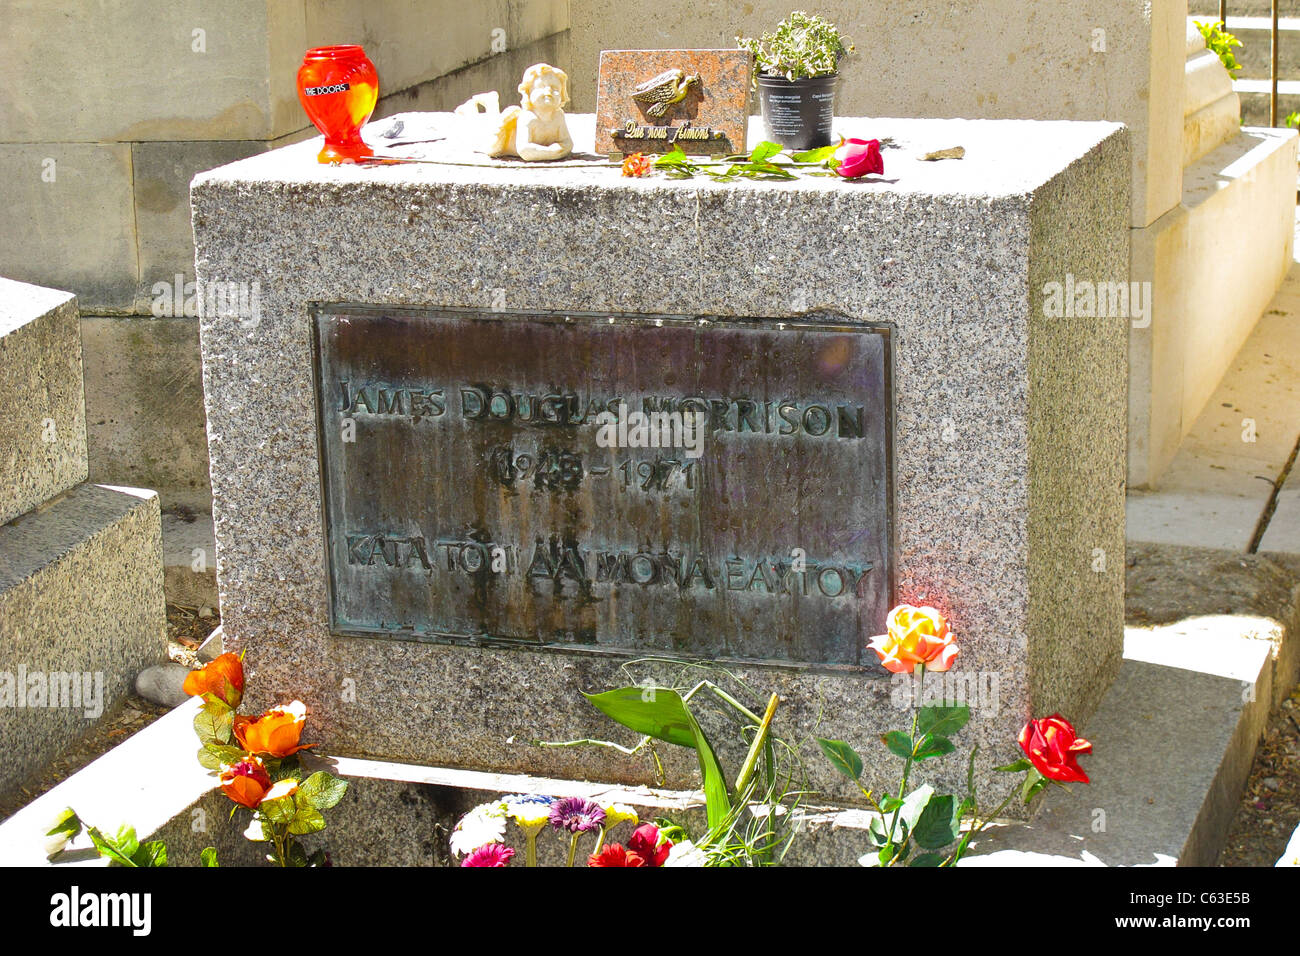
(938, 719)
(886, 854)
(939, 823)
(151, 854)
(126, 841)
(842, 757)
(280, 810)
(321, 791)
(890, 804)
(209, 857)
(213, 723)
(764, 151)
(928, 859)
(216, 756)
(66, 822)
(1016, 767)
(1034, 782)
(675, 164)
(914, 805)
(662, 714)
(898, 743)
(296, 855)
(878, 830)
(818, 155)
(108, 848)
(306, 820)
(932, 745)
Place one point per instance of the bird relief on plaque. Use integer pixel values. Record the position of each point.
(652, 101)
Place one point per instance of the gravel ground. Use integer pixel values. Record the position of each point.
(1270, 806)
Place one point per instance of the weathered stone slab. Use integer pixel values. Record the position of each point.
(1009, 424)
(42, 409)
(81, 612)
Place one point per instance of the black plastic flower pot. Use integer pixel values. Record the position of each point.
(798, 113)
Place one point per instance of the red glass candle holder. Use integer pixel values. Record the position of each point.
(338, 89)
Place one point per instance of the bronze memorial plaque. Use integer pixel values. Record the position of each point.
(638, 484)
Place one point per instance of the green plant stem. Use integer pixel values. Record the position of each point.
(530, 849)
(277, 839)
(907, 767)
(600, 840)
(976, 827)
(760, 740)
(573, 849)
(871, 800)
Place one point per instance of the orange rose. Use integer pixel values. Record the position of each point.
(249, 784)
(275, 733)
(223, 678)
(636, 165)
(916, 635)
(246, 782)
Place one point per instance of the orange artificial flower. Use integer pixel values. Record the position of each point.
(275, 733)
(249, 784)
(223, 678)
(636, 165)
(246, 782)
(916, 635)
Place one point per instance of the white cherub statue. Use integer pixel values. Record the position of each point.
(535, 130)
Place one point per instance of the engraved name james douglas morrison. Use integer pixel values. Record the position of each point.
(480, 403)
(559, 561)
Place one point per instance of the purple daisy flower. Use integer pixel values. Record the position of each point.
(576, 814)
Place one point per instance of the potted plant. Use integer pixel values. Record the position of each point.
(796, 66)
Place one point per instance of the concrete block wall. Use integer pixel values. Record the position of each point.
(81, 582)
(109, 109)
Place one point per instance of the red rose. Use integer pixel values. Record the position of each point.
(645, 844)
(615, 854)
(1053, 747)
(859, 157)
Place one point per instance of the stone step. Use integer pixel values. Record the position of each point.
(42, 409)
(80, 594)
(1200, 693)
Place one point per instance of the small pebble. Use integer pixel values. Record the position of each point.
(162, 684)
(1269, 783)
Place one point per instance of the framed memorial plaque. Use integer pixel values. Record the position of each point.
(630, 484)
(650, 101)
